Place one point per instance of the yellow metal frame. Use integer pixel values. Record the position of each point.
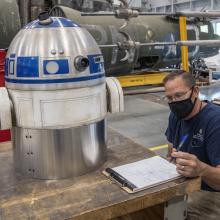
(184, 49)
(155, 78)
(143, 79)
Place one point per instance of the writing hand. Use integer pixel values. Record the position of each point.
(188, 165)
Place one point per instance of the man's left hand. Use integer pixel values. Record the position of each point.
(188, 165)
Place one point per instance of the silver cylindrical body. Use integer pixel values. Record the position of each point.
(61, 153)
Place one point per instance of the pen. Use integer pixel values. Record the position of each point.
(183, 140)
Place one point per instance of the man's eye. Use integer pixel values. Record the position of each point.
(179, 95)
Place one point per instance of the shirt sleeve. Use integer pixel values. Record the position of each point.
(169, 130)
(213, 141)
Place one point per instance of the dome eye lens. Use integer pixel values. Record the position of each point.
(84, 62)
(81, 63)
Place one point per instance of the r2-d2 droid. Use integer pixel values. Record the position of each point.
(56, 99)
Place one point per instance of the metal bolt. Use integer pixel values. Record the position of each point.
(53, 51)
(33, 170)
(61, 52)
(28, 153)
(32, 153)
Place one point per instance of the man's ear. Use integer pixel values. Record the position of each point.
(196, 91)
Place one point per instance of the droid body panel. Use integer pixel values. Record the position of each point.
(56, 82)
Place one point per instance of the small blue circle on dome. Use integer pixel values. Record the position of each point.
(57, 23)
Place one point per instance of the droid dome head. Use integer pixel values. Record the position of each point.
(53, 53)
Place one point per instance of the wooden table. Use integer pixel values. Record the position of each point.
(89, 197)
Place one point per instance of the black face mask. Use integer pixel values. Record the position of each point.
(182, 108)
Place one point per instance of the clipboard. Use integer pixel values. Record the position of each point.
(145, 177)
(122, 185)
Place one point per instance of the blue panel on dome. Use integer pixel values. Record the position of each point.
(6, 66)
(55, 81)
(58, 67)
(96, 63)
(27, 67)
(11, 67)
(57, 22)
(13, 55)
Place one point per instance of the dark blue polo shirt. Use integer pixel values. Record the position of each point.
(204, 135)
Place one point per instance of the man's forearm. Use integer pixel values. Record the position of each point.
(211, 176)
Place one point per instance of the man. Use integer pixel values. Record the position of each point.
(199, 123)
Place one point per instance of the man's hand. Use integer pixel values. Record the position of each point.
(188, 165)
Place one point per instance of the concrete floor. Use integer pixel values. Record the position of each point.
(145, 117)
(144, 120)
(210, 92)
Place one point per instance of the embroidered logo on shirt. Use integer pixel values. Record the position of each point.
(197, 139)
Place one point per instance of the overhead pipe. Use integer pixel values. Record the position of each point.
(176, 43)
(135, 13)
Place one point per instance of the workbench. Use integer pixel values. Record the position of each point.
(92, 196)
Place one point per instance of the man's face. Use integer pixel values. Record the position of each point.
(177, 90)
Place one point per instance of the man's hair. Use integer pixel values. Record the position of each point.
(187, 77)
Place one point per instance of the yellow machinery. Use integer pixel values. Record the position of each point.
(148, 78)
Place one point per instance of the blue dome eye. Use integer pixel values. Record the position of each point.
(56, 67)
(52, 67)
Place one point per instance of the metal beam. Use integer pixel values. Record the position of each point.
(184, 49)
